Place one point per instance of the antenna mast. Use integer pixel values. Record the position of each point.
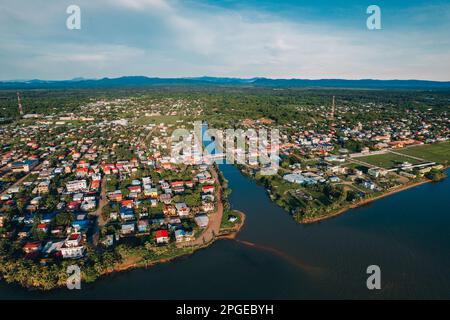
(333, 109)
(19, 104)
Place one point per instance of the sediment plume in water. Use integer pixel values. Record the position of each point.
(283, 255)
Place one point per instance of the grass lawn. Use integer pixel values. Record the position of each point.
(438, 152)
(387, 160)
(225, 224)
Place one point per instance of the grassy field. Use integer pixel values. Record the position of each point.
(225, 224)
(387, 160)
(439, 152)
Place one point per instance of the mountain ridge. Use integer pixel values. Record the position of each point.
(143, 81)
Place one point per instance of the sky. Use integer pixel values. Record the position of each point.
(313, 39)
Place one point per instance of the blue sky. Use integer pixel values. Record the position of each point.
(229, 38)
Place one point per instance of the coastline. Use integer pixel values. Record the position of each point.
(209, 235)
(212, 233)
(134, 262)
(225, 234)
(364, 202)
(361, 203)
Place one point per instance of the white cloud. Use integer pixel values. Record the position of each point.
(172, 38)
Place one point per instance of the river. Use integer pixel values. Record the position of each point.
(406, 234)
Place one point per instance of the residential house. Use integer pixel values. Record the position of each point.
(202, 221)
(182, 209)
(135, 189)
(115, 196)
(182, 235)
(42, 227)
(24, 166)
(127, 228)
(72, 247)
(369, 185)
(169, 210)
(149, 191)
(162, 236)
(76, 185)
(165, 198)
(207, 206)
(208, 189)
(126, 213)
(143, 225)
(2, 220)
(376, 172)
(43, 186)
(33, 246)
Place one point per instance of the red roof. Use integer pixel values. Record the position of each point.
(162, 234)
(126, 203)
(95, 184)
(74, 236)
(30, 245)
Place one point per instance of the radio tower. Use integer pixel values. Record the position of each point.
(20, 104)
(333, 107)
(331, 118)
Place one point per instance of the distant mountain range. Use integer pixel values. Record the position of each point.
(141, 81)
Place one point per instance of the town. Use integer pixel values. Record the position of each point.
(93, 179)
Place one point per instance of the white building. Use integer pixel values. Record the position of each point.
(76, 185)
(72, 247)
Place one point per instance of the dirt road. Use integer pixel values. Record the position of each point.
(215, 219)
(102, 202)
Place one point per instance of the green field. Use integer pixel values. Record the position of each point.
(439, 152)
(387, 160)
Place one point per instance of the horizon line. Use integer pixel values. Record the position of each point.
(81, 78)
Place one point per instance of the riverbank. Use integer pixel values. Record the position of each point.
(213, 232)
(134, 262)
(127, 258)
(364, 202)
(209, 235)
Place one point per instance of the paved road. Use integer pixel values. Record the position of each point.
(408, 156)
(364, 163)
(19, 182)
